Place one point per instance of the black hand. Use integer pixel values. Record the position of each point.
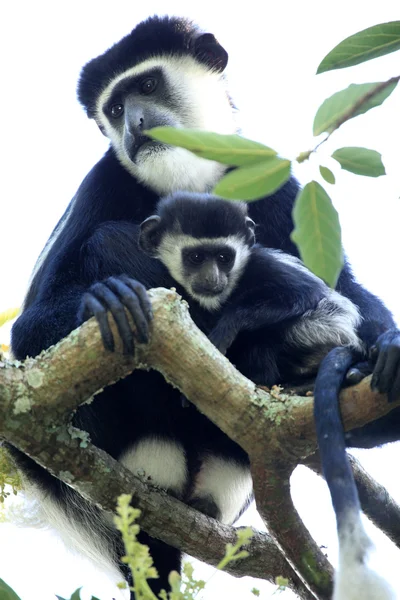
(116, 294)
(386, 355)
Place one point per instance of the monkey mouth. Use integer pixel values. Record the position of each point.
(207, 292)
(144, 146)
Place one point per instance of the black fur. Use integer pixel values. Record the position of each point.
(330, 434)
(201, 215)
(53, 307)
(157, 36)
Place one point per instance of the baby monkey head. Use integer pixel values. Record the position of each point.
(203, 241)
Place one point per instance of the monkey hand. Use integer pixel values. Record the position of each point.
(385, 354)
(116, 295)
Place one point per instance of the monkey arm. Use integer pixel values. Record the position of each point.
(239, 318)
(44, 323)
(380, 334)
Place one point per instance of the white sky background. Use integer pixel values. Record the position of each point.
(48, 146)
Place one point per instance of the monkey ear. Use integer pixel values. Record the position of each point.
(209, 52)
(251, 231)
(150, 235)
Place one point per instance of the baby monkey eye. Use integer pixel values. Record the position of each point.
(225, 257)
(147, 86)
(196, 258)
(116, 110)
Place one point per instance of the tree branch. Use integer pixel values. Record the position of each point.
(375, 500)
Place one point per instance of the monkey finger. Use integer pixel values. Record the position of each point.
(142, 295)
(91, 307)
(379, 366)
(184, 401)
(85, 310)
(357, 373)
(389, 372)
(373, 353)
(131, 302)
(354, 376)
(114, 305)
(394, 392)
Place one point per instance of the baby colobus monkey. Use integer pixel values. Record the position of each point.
(287, 318)
(292, 322)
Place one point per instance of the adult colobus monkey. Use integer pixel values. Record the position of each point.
(165, 72)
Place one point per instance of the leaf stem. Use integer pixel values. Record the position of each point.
(350, 114)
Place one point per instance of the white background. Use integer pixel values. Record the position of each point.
(48, 146)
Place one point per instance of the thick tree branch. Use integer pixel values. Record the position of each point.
(272, 487)
(50, 386)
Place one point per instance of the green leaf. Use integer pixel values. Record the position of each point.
(367, 44)
(7, 593)
(327, 174)
(317, 232)
(360, 161)
(254, 181)
(231, 150)
(349, 103)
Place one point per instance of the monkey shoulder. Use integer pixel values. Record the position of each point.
(274, 276)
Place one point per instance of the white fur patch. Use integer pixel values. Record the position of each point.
(92, 536)
(173, 170)
(333, 322)
(227, 482)
(354, 579)
(170, 253)
(294, 261)
(159, 461)
(327, 324)
(203, 104)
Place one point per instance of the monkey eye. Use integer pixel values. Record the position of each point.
(225, 258)
(147, 86)
(196, 258)
(116, 110)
